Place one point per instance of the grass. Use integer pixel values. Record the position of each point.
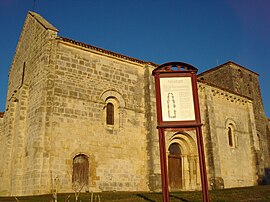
(247, 194)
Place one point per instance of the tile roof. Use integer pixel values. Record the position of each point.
(107, 52)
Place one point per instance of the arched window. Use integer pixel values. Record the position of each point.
(110, 114)
(230, 136)
(112, 110)
(231, 133)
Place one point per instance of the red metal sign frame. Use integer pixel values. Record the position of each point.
(170, 70)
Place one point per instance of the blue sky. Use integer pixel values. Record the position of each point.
(203, 33)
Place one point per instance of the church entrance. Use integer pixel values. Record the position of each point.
(175, 167)
(183, 161)
(80, 172)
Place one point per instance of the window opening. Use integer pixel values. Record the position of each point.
(230, 136)
(110, 114)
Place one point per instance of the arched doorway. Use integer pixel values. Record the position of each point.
(183, 162)
(175, 167)
(80, 173)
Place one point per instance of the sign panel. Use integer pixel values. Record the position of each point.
(177, 99)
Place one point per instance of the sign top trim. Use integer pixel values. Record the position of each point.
(174, 67)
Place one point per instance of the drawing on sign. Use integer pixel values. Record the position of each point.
(177, 99)
(171, 106)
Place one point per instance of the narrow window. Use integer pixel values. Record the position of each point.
(110, 114)
(230, 136)
(23, 73)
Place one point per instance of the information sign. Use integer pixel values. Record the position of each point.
(177, 99)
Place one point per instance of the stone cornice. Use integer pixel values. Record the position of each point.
(225, 94)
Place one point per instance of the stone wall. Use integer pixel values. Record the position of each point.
(238, 79)
(218, 111)
(84, 81)
(56, 111)
(23, 125)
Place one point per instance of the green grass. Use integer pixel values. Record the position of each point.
(258, 193)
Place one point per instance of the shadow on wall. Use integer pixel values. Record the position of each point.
(264, 180)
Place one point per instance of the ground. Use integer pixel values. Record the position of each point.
(258, 193)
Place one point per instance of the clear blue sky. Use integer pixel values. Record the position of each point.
(203, 33)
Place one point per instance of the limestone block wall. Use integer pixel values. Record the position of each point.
(24, 126)
(56, 110)
(153, 151)
(245, 82)
(224, 110)
(84, 81)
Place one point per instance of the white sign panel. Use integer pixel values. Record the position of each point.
(177, 99)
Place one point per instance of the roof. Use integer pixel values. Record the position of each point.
(104, 51)
(47, 25)
(222, 65)
(42, 21)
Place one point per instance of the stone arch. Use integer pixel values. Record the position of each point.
(230, 121)
(187, 163)
(113, 94)
(114, 100)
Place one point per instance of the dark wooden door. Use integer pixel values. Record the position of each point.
(175, 167)
(80, 172)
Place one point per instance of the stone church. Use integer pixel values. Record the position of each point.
(81, 117)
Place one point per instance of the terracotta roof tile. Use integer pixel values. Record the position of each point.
(107, 52)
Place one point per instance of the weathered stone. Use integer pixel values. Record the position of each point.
(56, 116)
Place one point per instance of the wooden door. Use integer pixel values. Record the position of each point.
(80, 172)
(175, 167)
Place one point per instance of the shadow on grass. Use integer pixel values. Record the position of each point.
(258, 193)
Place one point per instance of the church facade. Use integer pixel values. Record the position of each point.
(81, 117)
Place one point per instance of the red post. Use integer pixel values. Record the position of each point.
(202, 164)
(163, 165)
(174, 73)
